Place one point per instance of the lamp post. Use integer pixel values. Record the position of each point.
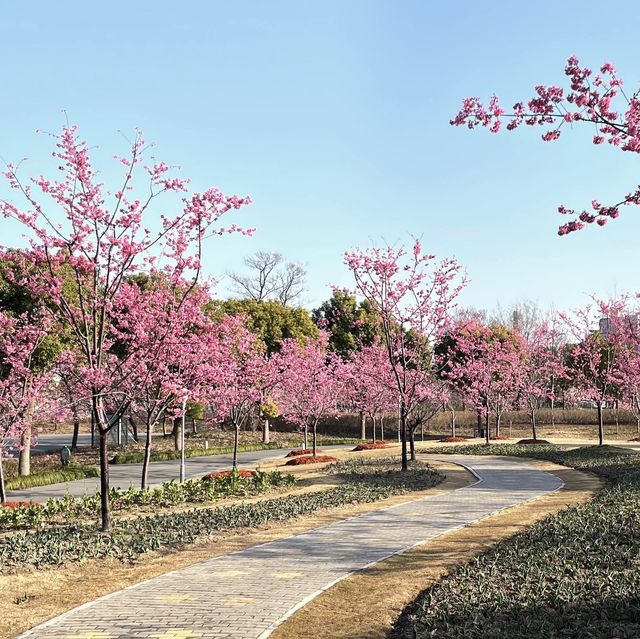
(182, 465)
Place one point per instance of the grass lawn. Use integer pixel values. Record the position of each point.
(574, 574)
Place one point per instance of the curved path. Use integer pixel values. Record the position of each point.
(247, 594)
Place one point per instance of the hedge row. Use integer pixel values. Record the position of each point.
(574, 574)
(69, 473)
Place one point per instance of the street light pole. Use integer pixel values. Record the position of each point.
(182, 465)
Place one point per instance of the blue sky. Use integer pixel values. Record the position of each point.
(333, 116)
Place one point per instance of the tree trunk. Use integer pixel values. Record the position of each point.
(486, 428)
(382, 427)
(315, 437)
(373, 426)
(76, 426)
(24, 459)
(104, 481)
(3, 492)
(532, 419)
(497, 424)
(177, 433)
(134, 427)
(638, 425)
(453, 421)
(164, 426)
(144, 482)
(412, 443)
(265, 431)
(600, 425)
(403, 438)
(363, 426)
(194, 426)
(306, 437)
(236, 437)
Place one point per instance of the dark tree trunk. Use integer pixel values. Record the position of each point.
(164, 426)
(76, 426)
(3, 492)
(453, 422)
(144, 482)
(194, 426)
(486, 428)
(600, 425)
(104, 481)
(403, 438)
(236, 437)
(532, 419)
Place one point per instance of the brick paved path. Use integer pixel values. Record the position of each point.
(247, 594)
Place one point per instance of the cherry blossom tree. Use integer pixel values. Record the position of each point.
(412, 294)
(486, 364)
(309, 385)
(21, 382)
(370, 384)
(593, 358)
(100, 238)
(542, 367)
(597, 100)
(236, 367)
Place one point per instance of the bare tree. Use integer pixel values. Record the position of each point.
(524, 316)
(269, 277)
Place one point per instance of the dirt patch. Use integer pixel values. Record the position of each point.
(365, 605)
(29, 598)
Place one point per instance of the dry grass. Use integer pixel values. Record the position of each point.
(30, 597)
(365, 605)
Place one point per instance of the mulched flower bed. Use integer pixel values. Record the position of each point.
(302, 451)
(227, 473)
(498, 437)
(534, 441)
(635, 439)
(319, 459)
(448, 440)
(379, 443)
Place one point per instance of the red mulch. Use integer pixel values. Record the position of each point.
(453, 439)
(635, 439)
(533, 441)
(498, 437)
(319, 459)
(379, 443)
(18, 504)
(227, 473)
(302, 451)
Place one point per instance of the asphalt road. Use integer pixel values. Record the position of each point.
(127, 475)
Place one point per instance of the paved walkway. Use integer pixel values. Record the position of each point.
(246, 594)
(126, 475)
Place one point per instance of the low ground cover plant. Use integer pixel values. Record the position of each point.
(213, 487)
(56, 545)
(574, 574)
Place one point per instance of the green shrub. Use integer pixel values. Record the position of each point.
(69, 473)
